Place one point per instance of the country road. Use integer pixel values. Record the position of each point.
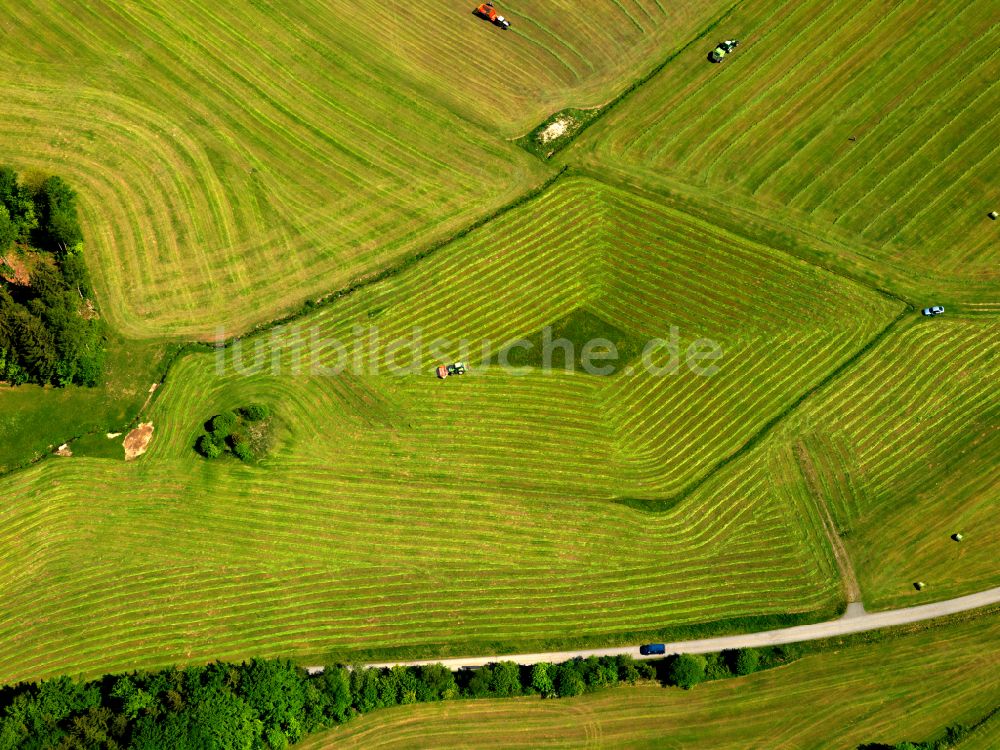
(855, 620)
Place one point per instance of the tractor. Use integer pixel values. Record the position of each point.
(487, 12)
(724, 48)
(444, 371)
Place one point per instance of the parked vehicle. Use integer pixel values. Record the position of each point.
(651, 649)
(932, 311)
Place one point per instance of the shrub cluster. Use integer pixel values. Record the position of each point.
(262, 703)
(953, 736)
(230, 431)
(688, 670)
(44, 336)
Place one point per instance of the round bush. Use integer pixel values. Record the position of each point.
(242, 451)
(208, 447)
(569, 682)
(255, 412)
(747, 661)
(223, 424)
(687, 670)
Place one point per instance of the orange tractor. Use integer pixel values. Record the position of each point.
(487, 12)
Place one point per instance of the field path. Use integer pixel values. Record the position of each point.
(852, 622)
(844, 564)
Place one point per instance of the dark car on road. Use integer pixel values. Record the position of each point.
(651, 649)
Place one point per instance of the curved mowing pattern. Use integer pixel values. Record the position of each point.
(855, 695)
(234, 160)
(828, 110)
(412, 512)
(905, 453)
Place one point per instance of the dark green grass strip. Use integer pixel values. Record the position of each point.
(588, 117)
(656, 505)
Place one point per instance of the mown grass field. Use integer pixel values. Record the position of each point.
(904, 452)
(477, 511)
(234, 161)
(905, 688)
(871, 123)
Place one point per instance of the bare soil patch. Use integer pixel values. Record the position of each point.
(556, 129)
(137, 441)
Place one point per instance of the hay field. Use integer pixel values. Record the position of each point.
(907, 688)
(873, 123)
(234, 160)
(466, 513)
(903, 451)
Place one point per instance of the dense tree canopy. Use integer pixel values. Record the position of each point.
(265, 704)
(49, 330)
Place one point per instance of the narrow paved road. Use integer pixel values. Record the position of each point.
(856, 620)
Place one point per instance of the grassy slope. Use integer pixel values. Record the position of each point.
(233, 161)
(556, 54)
(905, 451)
(768, 130)
(294, 169)
(388, 514)
(462, 515)
(906, 688)
(33, 419)
(905, 464)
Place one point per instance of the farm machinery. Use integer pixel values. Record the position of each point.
(444, 371)
(487, 12)
(719, 53)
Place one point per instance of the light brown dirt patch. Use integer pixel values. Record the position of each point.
(136, 441)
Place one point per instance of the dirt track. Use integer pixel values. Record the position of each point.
(853, 622)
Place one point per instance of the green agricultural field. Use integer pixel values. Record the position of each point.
(233, 161)
(904, 451)
(398, 508)
(34, 419)
(756, 239)
(906, 688)
(872, 124)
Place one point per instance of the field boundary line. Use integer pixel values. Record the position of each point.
(847, 575)
(392, 270)
(638, 83)
(680, 200)
(751, 442)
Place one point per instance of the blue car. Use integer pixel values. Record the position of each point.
(651, 649)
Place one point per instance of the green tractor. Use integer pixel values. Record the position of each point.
(719, 53)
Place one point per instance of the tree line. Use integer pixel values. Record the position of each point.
(262, 704)
(49, 330)
(269, 704)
